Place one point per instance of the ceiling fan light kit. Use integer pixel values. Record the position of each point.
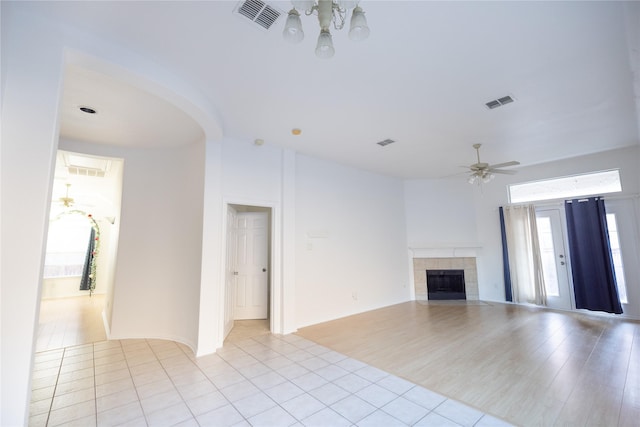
(481, 172)
(328, 11)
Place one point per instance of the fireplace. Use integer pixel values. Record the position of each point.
(436, 260)
(445, 285)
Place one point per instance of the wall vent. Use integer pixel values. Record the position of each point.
(385, 142)
(499, 102)
(259, 12)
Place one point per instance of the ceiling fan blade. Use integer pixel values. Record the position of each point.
(502, 171)
(502, 165)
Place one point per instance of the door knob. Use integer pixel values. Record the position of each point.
(264, 269)
(235, 273)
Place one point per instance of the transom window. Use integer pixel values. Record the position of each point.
(588, 184)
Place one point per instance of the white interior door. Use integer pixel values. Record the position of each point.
(230, 268)
(251, 274)
(554, 258)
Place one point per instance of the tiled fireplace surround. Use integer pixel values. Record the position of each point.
(436, 262)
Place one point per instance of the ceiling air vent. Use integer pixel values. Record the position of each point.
(84, 165)
(75, 170)
(499, 102)
(385, 142)
(259, 12)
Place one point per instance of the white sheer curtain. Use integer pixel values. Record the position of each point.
(527, 280)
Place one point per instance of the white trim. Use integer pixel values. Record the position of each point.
(446, 252)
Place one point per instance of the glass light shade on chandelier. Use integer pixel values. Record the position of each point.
(328, 11)
(293, 29)
(324, 48)
(359, 30)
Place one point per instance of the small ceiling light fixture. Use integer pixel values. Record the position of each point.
(258, 141)
(296, 131)
(481, 177)
(328, 11)
(88, 110)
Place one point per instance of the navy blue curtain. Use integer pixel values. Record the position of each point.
(505, 259)
(85, 281)
(594, 282)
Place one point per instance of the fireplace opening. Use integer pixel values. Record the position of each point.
(445, 284)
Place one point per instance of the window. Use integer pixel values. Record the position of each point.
(548, 256)
(67, 244)
(566, 187)
(614, 242)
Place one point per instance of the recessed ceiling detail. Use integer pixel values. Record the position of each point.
(499, 102)
(385, 142)
(259, 12)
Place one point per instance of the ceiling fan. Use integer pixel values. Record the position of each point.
(66, 200)
(484, 172)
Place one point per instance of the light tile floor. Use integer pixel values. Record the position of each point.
(266, 380)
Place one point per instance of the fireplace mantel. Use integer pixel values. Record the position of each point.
(458, 251)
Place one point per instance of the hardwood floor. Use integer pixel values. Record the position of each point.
(526, 365)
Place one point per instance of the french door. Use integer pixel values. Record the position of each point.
(555, 265)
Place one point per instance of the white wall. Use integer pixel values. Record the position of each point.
(157, 277)
(32, 85)
(350, 241)
(440, 213)
(237, 172)
(156, 280)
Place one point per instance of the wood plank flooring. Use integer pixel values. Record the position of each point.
(526, 365)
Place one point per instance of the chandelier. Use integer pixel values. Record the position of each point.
(328, 11)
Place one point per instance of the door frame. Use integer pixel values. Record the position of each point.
(276, 307)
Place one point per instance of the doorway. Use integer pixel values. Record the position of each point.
(248, 270)
(86, 193)
(623, 232)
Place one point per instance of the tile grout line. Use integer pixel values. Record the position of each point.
(124, 354)
(95, 392)
(55, 387)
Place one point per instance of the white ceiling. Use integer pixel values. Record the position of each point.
(125, 115)
(422, 78)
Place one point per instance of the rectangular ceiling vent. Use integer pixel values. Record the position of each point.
(84, 165)
(385, 142)
(259, 12)
(499, 102)
(75, 170)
